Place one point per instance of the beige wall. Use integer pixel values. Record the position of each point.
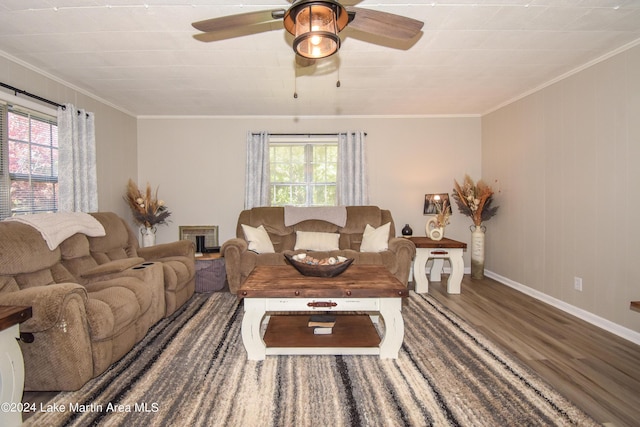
(566, 159)
(562, 161)
(199, 164)
(115, 131)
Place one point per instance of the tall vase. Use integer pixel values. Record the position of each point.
(148, 236)
(477, 251)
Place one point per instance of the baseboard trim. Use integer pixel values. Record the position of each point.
(598, 321)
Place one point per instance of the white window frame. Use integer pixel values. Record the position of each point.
(43, 114)
(308, 141)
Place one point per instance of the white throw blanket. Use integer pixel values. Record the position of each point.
(56, 227)
(334, 214)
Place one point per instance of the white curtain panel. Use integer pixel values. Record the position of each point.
(77, 179)
(353, 188)
(257, 172)
(5, 181)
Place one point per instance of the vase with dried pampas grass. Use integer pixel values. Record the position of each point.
(148, 211)
(475, 201)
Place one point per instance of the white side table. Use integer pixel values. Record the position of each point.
(11, 364)
(438, 250)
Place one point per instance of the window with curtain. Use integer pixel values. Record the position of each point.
(303, 170)
(29, 161)
(306, 170)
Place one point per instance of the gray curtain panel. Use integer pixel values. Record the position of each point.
(353, 187)
(257, 172)
(77, 178)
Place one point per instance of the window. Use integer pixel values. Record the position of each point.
(303, 170)
(32, 167)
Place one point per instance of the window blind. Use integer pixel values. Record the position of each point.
(32, 153)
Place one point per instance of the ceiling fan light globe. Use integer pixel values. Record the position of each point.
(315, 25)
(316, 46)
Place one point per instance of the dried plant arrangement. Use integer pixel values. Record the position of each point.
(474, 200)
(443, 213)
(147, 209)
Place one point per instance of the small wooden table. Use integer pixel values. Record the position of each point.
(11, 363)
(369, 288)
(438, 250)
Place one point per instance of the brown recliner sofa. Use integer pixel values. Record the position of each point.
(240, 261)
(92, 298)
(177, 258)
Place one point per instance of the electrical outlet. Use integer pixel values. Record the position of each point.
(577, 283)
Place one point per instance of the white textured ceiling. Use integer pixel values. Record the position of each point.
(472, 56)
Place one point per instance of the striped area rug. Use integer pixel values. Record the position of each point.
(191, 370)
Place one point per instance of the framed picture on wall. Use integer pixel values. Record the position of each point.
(433, 202)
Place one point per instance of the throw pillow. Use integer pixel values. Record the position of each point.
(258, 239)
(316, 241)
(375, 239)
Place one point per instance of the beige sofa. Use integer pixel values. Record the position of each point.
(177, 258)
(240, 261)
(92, 298)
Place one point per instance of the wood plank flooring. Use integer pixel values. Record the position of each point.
(597, 370)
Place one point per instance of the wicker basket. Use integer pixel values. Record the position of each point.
(319, 270)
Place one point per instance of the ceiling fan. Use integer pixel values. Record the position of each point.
(315, 24)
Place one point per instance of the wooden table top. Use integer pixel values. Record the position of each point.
(13, 314)
(425, 242)
(363, 281)
(208, 256)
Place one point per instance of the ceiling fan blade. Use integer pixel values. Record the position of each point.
(241, 20)
(241, 31)
(384, 24)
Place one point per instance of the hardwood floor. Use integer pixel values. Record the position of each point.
(597, 370)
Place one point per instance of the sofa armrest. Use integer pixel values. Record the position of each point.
(405, 252)
(112, 267)
(178, 248)
(233, 251)
(47, 303)
(401, 244)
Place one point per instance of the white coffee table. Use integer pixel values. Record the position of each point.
(361, 288)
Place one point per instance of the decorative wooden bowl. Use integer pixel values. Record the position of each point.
(319, 270)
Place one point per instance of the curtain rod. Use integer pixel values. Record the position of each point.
(17, 91)
(309, 134)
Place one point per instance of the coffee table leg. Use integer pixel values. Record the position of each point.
(254, 311)
(390, 310)
(420, 270)
(457, 271)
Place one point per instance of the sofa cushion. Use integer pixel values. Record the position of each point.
(23, 249)
(110, 310)
(116, 244)
(47, 276)
(176, 272)
(375, 239)
(314, 241)
(258, 239)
